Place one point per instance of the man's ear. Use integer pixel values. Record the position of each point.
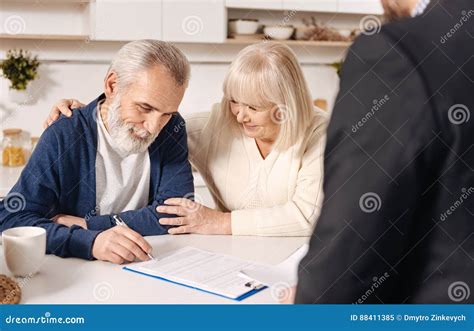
(111, 86)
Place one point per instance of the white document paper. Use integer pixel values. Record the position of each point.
(286, 272)
(212, 272)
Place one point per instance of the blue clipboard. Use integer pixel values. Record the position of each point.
(240, 298)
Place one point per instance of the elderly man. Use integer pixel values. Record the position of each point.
(123, 154)
(397, 221)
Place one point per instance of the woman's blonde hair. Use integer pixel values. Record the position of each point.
(268, 74)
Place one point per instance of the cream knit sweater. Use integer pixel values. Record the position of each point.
(280, 195)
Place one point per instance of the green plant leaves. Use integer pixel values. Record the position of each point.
(19, 68)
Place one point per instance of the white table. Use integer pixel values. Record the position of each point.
(74, 280)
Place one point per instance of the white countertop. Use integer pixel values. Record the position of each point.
(73, 280)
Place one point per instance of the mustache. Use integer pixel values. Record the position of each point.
(142, 133)
(117, 122)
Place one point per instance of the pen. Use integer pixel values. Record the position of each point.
(120, 222)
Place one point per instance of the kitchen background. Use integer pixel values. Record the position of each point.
(76, 39)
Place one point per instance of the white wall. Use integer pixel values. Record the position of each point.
(82, 79)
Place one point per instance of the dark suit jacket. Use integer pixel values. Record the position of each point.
(397, 224)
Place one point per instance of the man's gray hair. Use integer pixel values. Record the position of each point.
(141, 55)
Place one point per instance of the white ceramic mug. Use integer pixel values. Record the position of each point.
(24, 249)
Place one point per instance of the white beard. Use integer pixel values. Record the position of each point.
(123, 134)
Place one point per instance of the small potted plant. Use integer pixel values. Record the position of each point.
(20, 68)
(338, 67)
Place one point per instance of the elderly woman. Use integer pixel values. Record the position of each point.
(260, 151)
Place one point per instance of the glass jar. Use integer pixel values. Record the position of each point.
(14, 153)
(34, 141)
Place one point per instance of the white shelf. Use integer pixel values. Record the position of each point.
(316, 43)
(364, 7)
(43, 36)
(46, 1)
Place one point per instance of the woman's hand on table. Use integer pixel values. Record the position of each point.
(69, 220)
(64, 107)
(194, 217)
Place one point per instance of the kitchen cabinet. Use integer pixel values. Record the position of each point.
(261, 4)
(311, 5)
(328, 6)
(122, 20)
(198, 21)
(360, 7)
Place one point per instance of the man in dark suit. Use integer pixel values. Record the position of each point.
(397, 225)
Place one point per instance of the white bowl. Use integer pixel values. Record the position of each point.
(243, 27)
(279, 32)
(345, 32)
